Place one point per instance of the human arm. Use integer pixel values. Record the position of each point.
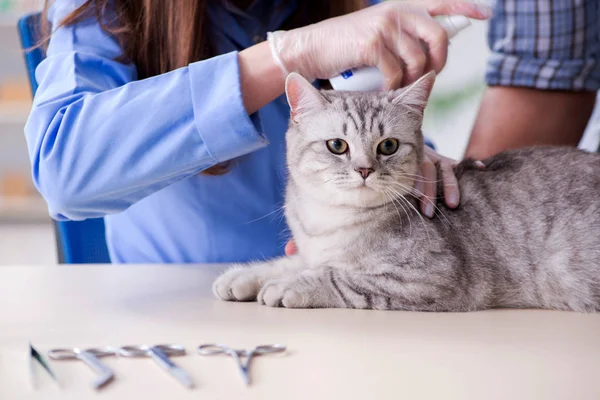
(518, 117)
(542, 89)
(100, 140)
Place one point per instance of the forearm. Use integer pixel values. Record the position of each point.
(329, 47)
(262, 79)
(511, 117)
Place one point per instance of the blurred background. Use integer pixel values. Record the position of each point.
(26, 233)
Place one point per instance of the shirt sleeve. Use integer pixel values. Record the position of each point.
(100, 140)
(545, 44)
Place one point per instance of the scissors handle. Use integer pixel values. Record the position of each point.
(145, 350)
(64, 354)
(212, 348)
(269, 348)
(75, 353)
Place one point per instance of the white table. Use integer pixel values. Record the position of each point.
(333, 354)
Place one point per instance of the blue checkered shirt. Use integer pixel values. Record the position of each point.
(545, 44)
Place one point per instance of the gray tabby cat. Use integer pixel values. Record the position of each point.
(526, 234)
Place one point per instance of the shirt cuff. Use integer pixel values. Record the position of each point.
(429, 143)
(549, 74)
(224, 125)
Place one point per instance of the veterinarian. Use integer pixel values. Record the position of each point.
(167, 117)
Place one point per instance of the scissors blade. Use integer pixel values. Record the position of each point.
(105, 374)
(259, 350)
(100, 381)
(243, 367)
(177, 372)
(245, 374)
(35, 355)
(182, 377)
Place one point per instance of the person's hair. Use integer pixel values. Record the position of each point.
(158, 36)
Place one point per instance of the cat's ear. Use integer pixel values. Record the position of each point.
(303, 97)
(416, 95)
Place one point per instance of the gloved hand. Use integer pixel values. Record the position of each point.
(399, 37)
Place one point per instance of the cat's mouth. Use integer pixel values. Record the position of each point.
(363, 186)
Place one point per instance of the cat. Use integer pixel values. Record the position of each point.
(525, 235)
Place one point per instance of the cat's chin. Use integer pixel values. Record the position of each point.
(361, 197)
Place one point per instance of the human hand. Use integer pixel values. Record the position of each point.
(290, 248)
(426, 188)
(399, 37)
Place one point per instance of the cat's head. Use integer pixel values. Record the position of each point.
(355, 148)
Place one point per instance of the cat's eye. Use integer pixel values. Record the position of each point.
(388, 147)
(337, 146)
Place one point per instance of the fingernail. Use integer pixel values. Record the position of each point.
(484, 9)
(453, 199)
(479, 164)
(429, 210)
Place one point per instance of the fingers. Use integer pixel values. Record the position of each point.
(391, 69)
(458, 7)
(290, 248)
(429, 173)
(451, 192)
(434, 52)
(419, 186)
(413, 23)
(450, 183)
(413, 57)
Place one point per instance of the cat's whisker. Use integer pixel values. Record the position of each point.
(278, 210)
(402, 198)
(397, 180)
(404, 173)
(421, 196)
(414, 178)
(394, 201)
(336, 179)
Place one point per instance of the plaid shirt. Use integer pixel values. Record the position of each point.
(545, 44)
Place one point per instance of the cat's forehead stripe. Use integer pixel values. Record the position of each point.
(353, 120)
(375, 111)
(362, 113)
(344, 105)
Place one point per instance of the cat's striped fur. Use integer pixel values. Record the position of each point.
(526, 234)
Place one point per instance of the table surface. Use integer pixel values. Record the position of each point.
(333, 354)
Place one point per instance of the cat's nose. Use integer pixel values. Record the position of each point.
(364, 172)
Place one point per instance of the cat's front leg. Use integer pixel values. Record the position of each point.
(242, 282)
(383, 290)
(311, 288)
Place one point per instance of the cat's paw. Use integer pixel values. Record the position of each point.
(284, 293)
(239, 283)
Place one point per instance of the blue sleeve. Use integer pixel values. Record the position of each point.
(545, 44)
(100, 140)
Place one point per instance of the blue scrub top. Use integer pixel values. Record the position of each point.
(105, 144)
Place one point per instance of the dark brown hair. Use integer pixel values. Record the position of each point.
(159, 36)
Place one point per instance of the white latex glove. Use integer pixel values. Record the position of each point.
(399, 37)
